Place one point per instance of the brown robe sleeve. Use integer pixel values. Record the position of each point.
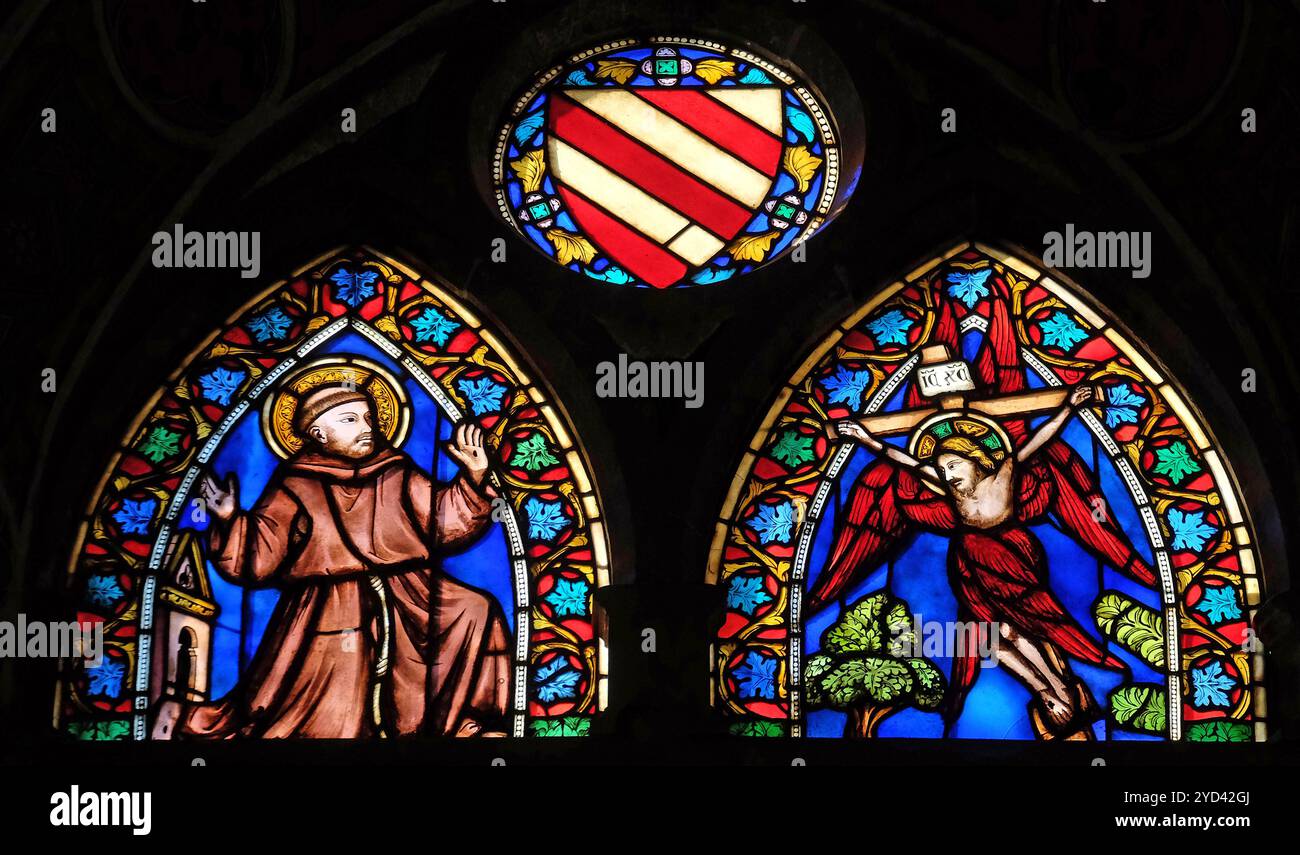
(460, 512)
(253, 545)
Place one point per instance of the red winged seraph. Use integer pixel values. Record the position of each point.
(888, 503)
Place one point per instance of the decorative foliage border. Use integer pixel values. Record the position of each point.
(554, 524)
(1196, 522)
(810, 160)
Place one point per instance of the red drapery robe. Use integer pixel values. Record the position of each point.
(997, 575)
(354, 549)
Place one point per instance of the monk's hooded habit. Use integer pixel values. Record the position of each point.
(369, 636)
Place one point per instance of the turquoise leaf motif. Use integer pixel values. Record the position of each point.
(106, 679)
(746, 594)
(1190, 529)
(483, 395)
(556, 680)
(1061, 331)
(103, 590)
(568, 597)
(847, 387)
(774, 522)
(528, 127)
(613, 274)
(969, 286)
(271, 325)
(709, 275)
(545, 519)
(354, 287)
(220, 384)
(135, 516)
(891, 328)
(1210, 686)
(757, 676)
(1219, 604)
(432, 325)
(1122, 405)
(801, 122)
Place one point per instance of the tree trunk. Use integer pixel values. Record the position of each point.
(863, 722)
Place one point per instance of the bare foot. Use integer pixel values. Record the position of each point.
(1059, 713)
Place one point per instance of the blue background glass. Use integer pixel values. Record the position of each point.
(996, 706)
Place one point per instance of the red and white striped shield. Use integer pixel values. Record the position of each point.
(662, 179)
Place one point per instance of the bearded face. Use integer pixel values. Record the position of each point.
(346, 430)
(961, 474)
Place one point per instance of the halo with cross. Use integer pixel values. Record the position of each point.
(927, 441)
(391, 407)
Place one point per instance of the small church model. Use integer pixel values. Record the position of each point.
(182, 639)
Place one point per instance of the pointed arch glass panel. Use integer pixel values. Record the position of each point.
(294, 540)
(982, 509)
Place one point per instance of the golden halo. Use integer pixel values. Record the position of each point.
(976, 427)
(392, 411)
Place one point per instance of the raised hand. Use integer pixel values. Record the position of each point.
(222, 499)
(1080, 395)
(467, 448)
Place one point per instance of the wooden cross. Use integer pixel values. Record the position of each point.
(945, 381)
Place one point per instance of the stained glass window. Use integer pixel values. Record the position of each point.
(667, 162)
(353, 512)
(981, 509)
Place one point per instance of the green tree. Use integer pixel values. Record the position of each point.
(866, 669)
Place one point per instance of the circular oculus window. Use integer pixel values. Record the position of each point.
(667, 162)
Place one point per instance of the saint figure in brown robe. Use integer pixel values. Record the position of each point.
(369, 637)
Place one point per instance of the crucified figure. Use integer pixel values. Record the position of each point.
(973, 486)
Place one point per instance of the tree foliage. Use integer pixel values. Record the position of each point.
(863, 664)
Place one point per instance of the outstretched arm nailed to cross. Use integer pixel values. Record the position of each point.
(946, 382)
